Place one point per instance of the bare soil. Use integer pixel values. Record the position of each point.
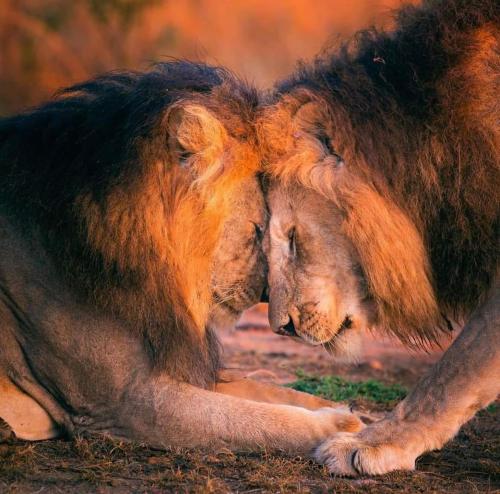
(470, 463)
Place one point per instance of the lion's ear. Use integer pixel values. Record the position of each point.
(309, 116)
(195, 137)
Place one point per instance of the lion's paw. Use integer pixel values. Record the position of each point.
(348, 454)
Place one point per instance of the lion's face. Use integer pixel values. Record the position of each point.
(239, 269)
(316, 287)
(232, 196)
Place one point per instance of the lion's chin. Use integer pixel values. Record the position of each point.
(321, 334)
(347, 347)
(223, 317)
(345, 344)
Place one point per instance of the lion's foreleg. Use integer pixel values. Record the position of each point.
(167, 413)
(271, 393)
(465, 380)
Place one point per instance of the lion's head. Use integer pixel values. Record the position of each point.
(384, 179)
(233, 197)
(144, 188)
(342, 255)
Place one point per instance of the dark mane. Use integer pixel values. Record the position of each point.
(90, 135)
(96, 139)
(416, 109)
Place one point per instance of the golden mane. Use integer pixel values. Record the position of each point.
(130, 229)
(391, 250)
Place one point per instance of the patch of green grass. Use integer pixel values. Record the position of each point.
(337, 389)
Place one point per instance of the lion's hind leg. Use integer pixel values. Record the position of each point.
(23, 415)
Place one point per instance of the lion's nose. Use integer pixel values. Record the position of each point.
(288, 329)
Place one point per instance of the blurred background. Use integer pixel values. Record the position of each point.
(47, 44)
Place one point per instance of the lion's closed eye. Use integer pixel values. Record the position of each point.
(327, 144)
(259, 231)
(292, 241)
(183, 156)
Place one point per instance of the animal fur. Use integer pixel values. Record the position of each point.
(89, 173)
(127, 204)
(415, 115)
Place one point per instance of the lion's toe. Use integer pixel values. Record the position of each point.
(346, 454)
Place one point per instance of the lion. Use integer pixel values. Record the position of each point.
(383, 163)
(131, 221)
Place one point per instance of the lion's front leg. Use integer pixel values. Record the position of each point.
(465, 380)
(250, 389)
(165, 413)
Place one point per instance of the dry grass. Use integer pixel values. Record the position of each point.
(471, 463)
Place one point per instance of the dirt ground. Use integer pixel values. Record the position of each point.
(470, 463)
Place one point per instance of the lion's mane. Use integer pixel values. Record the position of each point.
(89, 175)
(415, 114)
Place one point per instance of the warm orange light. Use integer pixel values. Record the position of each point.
(47, 44)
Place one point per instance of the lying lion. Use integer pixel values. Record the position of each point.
(131, 221)
(384, 194)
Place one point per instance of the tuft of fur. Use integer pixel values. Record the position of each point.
(415, 115)
(133, 233)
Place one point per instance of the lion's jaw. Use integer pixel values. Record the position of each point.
(316, 291)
